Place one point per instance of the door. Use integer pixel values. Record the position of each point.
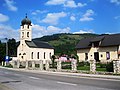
(96, 56)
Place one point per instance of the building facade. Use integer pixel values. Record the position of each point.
(29, 49)
(101, 48)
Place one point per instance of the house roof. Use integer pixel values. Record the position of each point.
(106, 40)
(38, 44)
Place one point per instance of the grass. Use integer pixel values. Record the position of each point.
(83, 68)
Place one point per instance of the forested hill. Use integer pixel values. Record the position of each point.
(64, 43)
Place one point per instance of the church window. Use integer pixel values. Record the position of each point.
(86, 56)
(23, 27)
(27, 34)
(22, 34)
(32, 55)
(38, 55)
(28, 26)
(50, 55)
(44, 55)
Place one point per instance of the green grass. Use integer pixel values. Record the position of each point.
(100, 69)
(83, 68)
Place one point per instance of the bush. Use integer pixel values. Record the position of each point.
(109, 67)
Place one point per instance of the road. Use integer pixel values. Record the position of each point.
(20, 80)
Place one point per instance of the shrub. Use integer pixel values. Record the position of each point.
(109, 67)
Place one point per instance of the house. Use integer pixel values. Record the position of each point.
(102, 48)
(29, 49)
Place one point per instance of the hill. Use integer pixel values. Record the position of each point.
(64, 43)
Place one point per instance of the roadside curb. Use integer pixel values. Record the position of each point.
(68, 74)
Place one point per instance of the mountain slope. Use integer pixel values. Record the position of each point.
(64, 43)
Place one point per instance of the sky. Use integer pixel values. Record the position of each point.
(60, 16)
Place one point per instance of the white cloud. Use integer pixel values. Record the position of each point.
(53, 18)
(4, 29)
(55, 2)
(66, 3)
(72, 18)
(10, 5)
(87, 16)
(3, 18)
(39, 31)
(72, 4)
(117, 17)
(117, 2)
(38, 12)
(84, 31)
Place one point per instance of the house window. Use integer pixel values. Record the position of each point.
(38, 55)
(32, 55)
(86, 56)
(27, 34)
(44, 55)
(107, 55)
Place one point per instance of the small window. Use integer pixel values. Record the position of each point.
(38, 55)
(32, 55)
(86, 56)
(50, 55)
(44, 55)
(22, 34)
(23, 26)
(27, 34)
(107, 55)
(28, 26)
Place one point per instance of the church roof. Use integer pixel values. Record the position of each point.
(38, 44)
(26, 21)
(106, 40)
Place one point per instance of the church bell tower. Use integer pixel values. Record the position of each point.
(25, 31)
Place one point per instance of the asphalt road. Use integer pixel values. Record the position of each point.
(17, 80)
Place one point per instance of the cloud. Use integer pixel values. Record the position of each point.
(66, 3)
(117, 2)
(87, 16)
(10, 5)
(53, 18)
(84, 31)
(72, 4)
(39, 31)
(4, 29)
(117, 17)
(39, 12)
(72, 18)
(3, 18)
(55, 2)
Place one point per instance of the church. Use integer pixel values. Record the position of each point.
(29, 49)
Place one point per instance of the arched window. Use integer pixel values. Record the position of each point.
(28, 26)
(38, 55)
(32, 55)
(44, 55)
(50, 55)
(27, 34)
(22, 34)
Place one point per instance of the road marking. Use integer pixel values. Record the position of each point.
(67, 83)
(34, 78)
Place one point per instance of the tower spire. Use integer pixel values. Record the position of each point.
(26, 15)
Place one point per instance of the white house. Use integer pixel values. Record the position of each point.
(29, 49)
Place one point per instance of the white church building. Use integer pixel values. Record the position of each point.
(29, 49)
